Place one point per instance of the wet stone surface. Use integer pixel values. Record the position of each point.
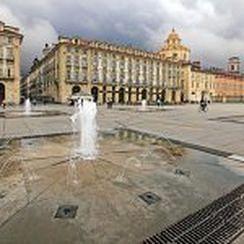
(38, 175)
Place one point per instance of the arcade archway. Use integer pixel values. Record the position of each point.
(94, 92)
(144, 94)
(173, 96)
(122, 95)
(2, 93)
(113, 94)
(129, 95)
(163, 95)
(182, 97)
(104, 94)
(137, 94)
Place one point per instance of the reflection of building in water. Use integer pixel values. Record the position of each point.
(10, 42)
(119, 73)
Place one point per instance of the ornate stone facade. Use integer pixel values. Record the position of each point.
(109, 72)
(229, 87)
(126, 75)
(174, 50)
(10, 42)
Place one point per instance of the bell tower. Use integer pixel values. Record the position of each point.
(234, 65)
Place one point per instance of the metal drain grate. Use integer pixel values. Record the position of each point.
(66, 212)
(220, 222)
(150, 198)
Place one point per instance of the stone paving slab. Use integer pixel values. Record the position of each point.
(183, 123)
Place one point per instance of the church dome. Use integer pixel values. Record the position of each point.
(173, 37)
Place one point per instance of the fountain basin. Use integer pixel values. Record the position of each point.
(107, 191)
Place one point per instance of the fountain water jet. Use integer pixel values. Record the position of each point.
(85, 121)
(143, 105)
(27, 106)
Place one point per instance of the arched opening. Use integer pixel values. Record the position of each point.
(144, 94)
(94, 92)
(151, 95)
(113, 94)
(157, 94)
(122, 95)
(137, 94)
(75, 89)
(129, 95)
(104, 94)
(2, 93)
(163, 95)
(173, 96)
(182, 97)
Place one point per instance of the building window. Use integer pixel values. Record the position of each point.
(9, 72)
(68, 49)
(68, 75)
(9, 53)
(10, 40)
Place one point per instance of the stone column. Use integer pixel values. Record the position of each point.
(178, 96)
(168, 95)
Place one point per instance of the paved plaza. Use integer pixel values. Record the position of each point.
(199, 158)
(220, 128)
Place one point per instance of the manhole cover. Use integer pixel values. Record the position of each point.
(66, 212)
(150, 197)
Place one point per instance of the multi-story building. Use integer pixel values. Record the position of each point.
(10, 43)
(107, 71)
(200, 83)
(229, 87)
(128, 75)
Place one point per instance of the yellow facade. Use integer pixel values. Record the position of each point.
(107, 71)
(174, 50)
(10, 42)
(201, 86)
(119, 73)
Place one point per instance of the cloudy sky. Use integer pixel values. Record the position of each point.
(212, 28)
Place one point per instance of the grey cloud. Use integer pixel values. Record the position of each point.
(211, 28)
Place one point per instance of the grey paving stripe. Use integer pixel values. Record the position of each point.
(229, 119)
(209, 150)
(202, 148)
